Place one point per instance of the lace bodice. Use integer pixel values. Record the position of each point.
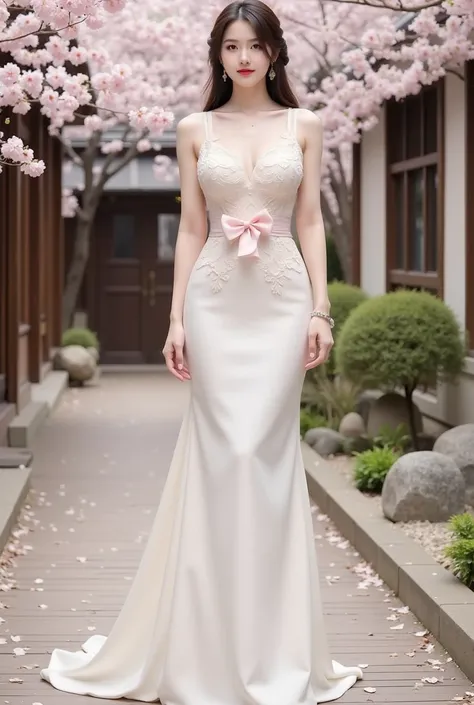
(230, 190)
(273, 184)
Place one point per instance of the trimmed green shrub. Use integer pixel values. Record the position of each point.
(403, 339)
(344, 299)
(461, 550)
(371, 468)
(80, 336)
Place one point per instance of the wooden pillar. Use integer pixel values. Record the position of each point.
(48, 249)
(13, 284)
(36, 260)
(469, 93)
(58, 244)
(356, 214)
(3, 275)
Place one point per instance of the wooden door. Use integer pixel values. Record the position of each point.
(159, 248)
(134, 263)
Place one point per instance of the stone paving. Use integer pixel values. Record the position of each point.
(100, 465)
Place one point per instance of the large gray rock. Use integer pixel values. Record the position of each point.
(390, 410)
(352, 425)
(423, 486)
(78, 363)
(325, 441)
(458, 444)
(365, 402)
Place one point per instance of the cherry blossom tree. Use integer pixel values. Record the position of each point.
(49, 42)
(351, 57)
(35, 34)
(165, 56)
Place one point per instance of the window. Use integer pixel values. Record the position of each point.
(123, 236)
(414, 195)
(168, 224)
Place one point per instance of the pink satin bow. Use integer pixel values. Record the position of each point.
(248, 231)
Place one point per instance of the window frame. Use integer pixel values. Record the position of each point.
(404, 277)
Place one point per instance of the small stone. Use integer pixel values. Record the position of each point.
(331, 444)
(78, 363)
(352, 425)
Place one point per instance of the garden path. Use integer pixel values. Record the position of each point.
(100, 465)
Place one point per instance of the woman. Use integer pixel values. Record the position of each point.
(225, 607)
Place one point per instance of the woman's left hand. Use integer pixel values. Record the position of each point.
(320, 342)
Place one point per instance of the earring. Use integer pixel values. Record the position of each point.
(224, 76)
(271, 74)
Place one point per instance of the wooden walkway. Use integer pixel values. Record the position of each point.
(100, 464)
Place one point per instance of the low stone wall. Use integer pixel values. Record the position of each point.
(441, 602)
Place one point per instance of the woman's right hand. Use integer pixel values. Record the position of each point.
(174, 352)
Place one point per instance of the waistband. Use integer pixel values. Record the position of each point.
(280, 228)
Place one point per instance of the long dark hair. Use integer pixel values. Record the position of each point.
(269, 32)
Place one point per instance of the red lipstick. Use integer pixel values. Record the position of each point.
(245, 72)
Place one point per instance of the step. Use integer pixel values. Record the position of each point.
(7, 414)
(14, 486)
(15, 457)
(24, 427)
(50, 390)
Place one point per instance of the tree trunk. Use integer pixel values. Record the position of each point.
(340, 233)
(76, 270)
(411, 417)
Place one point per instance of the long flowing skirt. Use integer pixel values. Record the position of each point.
(225, 608)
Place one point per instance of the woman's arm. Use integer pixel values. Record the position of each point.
(192, 230)
(309, 219)
(310, 227)
(192, 234)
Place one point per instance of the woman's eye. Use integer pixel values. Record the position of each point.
(257, 46)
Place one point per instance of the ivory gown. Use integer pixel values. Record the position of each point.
(225, 608)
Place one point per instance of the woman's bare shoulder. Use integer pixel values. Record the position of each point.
(190, 124)
(309, 119)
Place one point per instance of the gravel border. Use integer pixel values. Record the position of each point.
(432, 536)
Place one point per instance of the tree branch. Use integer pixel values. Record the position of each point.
(396, 6)
(74, 156)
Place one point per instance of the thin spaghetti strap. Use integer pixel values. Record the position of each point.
(292, 121)
(208, 124)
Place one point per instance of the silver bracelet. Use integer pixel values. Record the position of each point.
(325, 316)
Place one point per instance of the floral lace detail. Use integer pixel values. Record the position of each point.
(217, 167)
(281, 164)
(218, 266)
(278, 259)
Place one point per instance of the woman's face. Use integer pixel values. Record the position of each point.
(243, 56)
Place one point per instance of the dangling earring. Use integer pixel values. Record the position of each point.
(224, 76)
(271, 74)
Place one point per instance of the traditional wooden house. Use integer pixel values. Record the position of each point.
(126, 293)
(414, 213)
(31, 279)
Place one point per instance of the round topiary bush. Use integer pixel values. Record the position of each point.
(344, 299)
(80, 336)
(403, 339)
